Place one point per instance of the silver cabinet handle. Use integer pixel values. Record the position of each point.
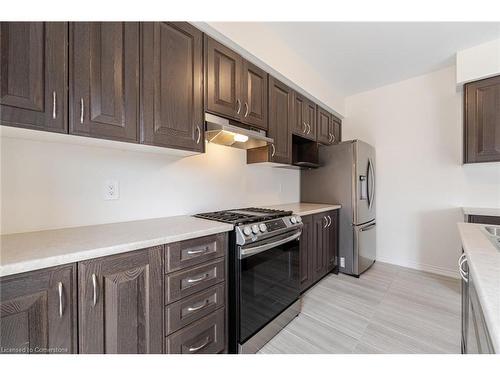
(192, 252)
(82, 109)
(333, 138)
(200, 306)
(308, 128)
(246, 109)
(196, 348)
(238, 103)
(94, 287)
(198, 279)
(54, 105)
(305, 127)
(274, 150)
(463, 274)
(60, 290)
(329, 221)
(199, 134)
(326, 222)
(330, 137)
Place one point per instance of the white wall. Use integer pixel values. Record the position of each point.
(416, 127)
(51, 185)
(478, 62)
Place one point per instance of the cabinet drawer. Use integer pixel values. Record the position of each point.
(184, 283)
(189, 253)
(206, 336)
(187, 310)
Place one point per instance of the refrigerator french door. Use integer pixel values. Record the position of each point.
(347, 176)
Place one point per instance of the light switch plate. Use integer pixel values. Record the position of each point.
(111, 190)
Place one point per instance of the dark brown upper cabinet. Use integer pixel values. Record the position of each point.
(223, 69)
(172, 87)
(38, 312)
(104, 80)
(254, 96)
(33, 75)
(121, 304)
(482, 121)
(235, 88)
(304, 119)
(280, 121)
(324, 126)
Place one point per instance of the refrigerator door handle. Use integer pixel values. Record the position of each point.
(372, 188)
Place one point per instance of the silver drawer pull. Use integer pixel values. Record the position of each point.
(82, 109)
(197, 348)
(199, 307)
(94, 287)
(54, 104)
(60, 290)
(199, 135)
(192, 252)
(198, 279)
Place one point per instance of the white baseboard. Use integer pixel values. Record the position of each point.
(423, 267)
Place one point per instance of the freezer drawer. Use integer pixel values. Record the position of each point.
(365, 238)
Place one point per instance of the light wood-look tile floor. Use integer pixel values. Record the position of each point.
(389, 309)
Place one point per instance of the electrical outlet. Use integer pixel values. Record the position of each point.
(342, 262)
(111, 190)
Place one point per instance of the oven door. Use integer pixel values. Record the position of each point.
(269, 281)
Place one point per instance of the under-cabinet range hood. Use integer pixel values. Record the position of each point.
(225, 132)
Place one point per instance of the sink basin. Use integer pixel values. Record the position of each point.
(494, 234)
(493, 231)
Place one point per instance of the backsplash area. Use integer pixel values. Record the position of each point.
(47, 185)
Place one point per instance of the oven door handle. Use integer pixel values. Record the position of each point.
(245, 253)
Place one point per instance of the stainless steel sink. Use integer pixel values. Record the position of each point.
(494, 235)
(493, 231)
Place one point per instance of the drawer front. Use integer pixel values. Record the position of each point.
(206, 336)
(187, 310)
(189, 253)
(185, 283)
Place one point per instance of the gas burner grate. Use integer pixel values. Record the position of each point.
(244, 215)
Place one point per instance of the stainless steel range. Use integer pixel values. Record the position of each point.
(263, 268)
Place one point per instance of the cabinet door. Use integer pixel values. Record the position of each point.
(33, 75)
(336, 130)
(254, 96)
(299, 126)
(482, 121)
(172, 89)
(310, 119)
(223, 69)
(121, 304)
(104, 80)
(38, 311)
(280, 121)
(324, 126)
(320, 255)
(478, 338)
(307, 246)
(332, 240)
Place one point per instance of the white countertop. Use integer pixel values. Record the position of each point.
(481, 211)
(305, 208)
(36, 250)
(483, 260)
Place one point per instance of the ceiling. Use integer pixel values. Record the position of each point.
(358, 56)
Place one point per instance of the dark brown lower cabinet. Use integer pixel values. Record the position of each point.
(121, 303)
(482, 219)
(38, 311)
(318, 247)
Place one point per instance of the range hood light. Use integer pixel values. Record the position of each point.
(240, 138)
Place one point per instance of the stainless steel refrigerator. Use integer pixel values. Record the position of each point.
(347, 177)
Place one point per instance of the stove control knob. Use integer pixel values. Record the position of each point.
(247, 231)
(262, 227)
(255, 228)
(299, 219)
(293, 220)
